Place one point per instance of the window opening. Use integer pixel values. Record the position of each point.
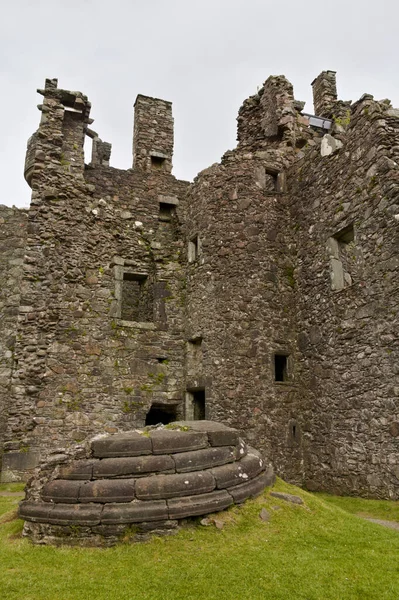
(166, 211)
(193, 249)
(271, 181)
(137, 298)
(280, 367)
(161, 413)
(342, 256)
(157, 162)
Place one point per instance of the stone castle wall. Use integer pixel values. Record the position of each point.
(345, 209)
(262, 295)
(12, 250)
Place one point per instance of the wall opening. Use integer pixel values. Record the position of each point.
(166, 211)
(271, 183)
(193, 249)
(161, 413)
(199, 405)
(195, 405)
(157, 162)
(137, 298)
(281, 367)
(342, 256)
(294, 433)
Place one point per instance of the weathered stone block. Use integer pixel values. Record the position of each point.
(169, 486)
(38, 512)
(203, 459)
(119, 467)
(61, 490)
(253, 487)
(75, 514)
(287, 497)
(218, 434)
(120, 490)
(78, 469)
(199, 505)
(124, 444)
(235, 473)
(16, 463)
(135, 512)
(170, 441)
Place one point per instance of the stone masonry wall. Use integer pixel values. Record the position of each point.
(263, 295)
(349, 335)
(12, 249)
(241, 304)
(82, 369)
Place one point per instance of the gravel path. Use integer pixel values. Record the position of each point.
(390, 524)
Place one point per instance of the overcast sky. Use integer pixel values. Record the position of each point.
(206, 56)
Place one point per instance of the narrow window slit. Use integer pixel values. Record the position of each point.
(280, 367)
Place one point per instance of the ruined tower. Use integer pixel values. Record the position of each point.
(262, 295)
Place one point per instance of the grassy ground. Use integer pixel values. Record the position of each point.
(316, 551)
(378, 509)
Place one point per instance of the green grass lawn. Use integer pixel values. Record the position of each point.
(315, 551)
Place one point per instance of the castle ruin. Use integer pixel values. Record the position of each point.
(264, 295)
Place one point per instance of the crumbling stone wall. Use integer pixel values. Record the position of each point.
(241, 286)
(265, 291)
(82, 368)
(12, 249)
(348, 336)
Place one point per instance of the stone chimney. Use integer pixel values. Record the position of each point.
(153, 134)
(324, 94)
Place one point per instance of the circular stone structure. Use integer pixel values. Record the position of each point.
(129, 484)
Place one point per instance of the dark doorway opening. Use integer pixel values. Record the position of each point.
(161, 413)
(199, 405)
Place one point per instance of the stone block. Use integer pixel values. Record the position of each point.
(78, 469)
(241, 450)
(14, 464)
(203, 459)
(218, 434)
(252, 488)
(244, 470)
(167, 441)
(287, 497)
(61, 490)
(75, 514)
(199, 505)
(137, 465)
(121, 444)
(102, 490)
(170, 486)
(38, 512)
(135, 512)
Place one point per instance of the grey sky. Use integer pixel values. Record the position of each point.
(206, 56)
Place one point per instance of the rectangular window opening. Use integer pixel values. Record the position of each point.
(342, 257)
(193, 249)
(271, 184)
(157, 162)
(346, 235)
(281, 367)
(166, 211)
(137, 298)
